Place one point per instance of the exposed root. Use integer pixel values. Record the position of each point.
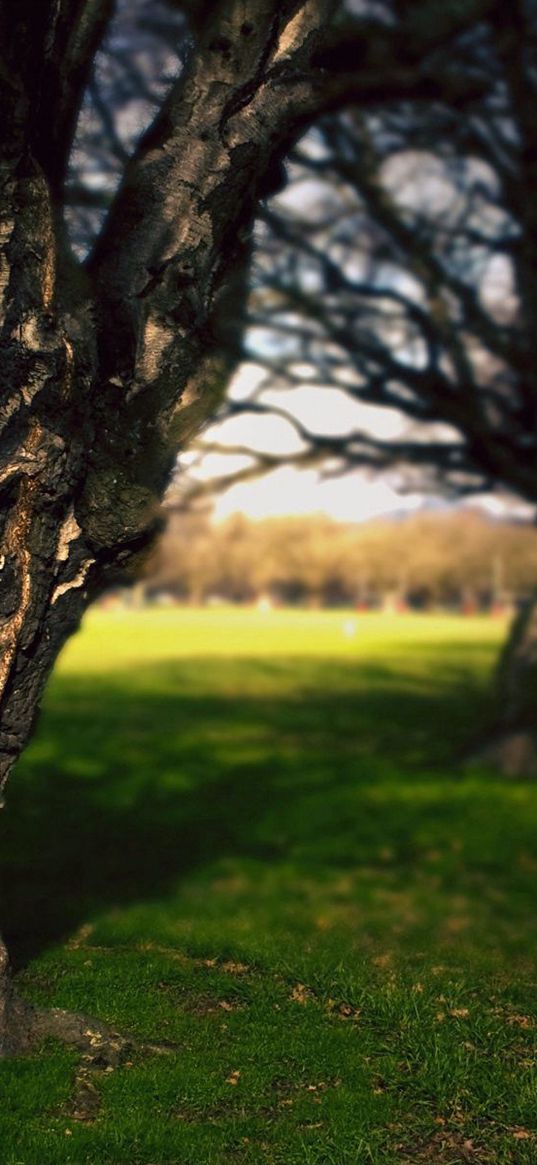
(101, 1043)
(16, 1016)
(23, 1028)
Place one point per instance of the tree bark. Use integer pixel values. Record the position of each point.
(16, 1016)
(512, 749)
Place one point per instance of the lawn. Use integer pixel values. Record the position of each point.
(246, 837)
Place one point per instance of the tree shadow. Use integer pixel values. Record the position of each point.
(128, 788)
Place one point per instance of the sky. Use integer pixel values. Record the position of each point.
(357, 496)
(352, 498)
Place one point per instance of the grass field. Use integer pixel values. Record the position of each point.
(244, 835)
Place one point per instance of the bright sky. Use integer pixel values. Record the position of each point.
(348, 499)
(354, 497)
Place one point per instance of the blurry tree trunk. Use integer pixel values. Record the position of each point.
(16, 1017)
(138, 594)
(513, 746)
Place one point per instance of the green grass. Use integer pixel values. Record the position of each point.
(246, 834)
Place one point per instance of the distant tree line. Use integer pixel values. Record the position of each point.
(461, 560)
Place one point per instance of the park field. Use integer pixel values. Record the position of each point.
(247, 840)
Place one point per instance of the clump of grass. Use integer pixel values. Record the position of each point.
(243, 836)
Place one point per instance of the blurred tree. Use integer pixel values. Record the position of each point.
(184, 560)
(399, 270)
(430, 558)
(301, 557)
(397, 266)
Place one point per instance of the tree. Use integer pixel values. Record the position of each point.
(410, 285)
(109, 366)
(440, 558)
(406, 281)
(184, 559)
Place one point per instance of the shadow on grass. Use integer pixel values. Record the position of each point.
(132, 784)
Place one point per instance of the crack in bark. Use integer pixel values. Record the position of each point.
(16, 544)
(78, 580)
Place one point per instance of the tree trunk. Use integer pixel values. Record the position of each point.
(16, 1017)
(512, 749)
